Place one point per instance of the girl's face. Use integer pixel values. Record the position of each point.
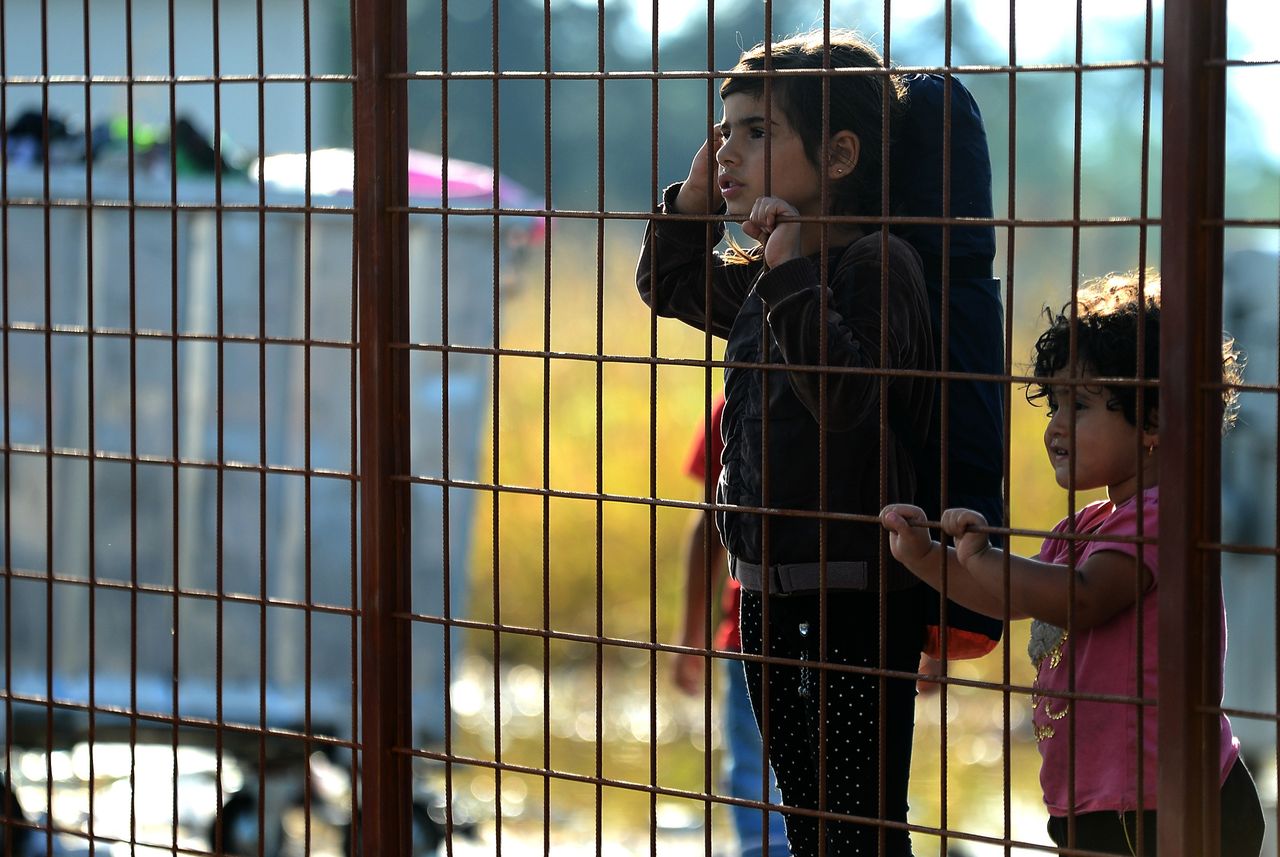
(745, 137)
(1106, 444)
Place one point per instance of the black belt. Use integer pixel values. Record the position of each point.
(788, 577)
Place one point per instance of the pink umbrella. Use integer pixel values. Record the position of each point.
(333, 171)
(467, 181)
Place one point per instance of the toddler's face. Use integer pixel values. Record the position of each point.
(1107, 446)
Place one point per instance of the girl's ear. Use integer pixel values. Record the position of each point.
(1151, 431)
(843, 151)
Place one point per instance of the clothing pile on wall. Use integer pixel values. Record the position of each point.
(30, 140)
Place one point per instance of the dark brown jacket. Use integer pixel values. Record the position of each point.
(809, 360)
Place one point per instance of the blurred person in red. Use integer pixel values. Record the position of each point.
(706, 572)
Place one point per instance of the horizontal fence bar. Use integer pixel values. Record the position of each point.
(168, 80)
(184, 463)
(204, 724)
(702, 74)
(195, 594)
(53, 202)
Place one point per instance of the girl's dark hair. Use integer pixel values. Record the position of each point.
(1106, 327)
(856, 104)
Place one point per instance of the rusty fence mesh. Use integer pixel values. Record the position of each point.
(355, 502)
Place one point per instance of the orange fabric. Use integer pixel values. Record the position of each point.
(961, 645)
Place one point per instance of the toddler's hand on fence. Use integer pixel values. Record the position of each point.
(700, 193)
(768, 224)
(909, 539)
(959, 524)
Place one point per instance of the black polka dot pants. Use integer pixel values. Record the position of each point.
(822, 730)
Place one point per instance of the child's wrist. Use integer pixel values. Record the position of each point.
(692, 199)
(924, 556)
(981, 556)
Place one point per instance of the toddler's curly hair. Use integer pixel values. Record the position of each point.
(1106, 327)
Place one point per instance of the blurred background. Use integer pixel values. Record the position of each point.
(555, 292)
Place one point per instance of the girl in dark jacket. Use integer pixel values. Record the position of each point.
(821, 425)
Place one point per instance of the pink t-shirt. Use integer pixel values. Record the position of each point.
(1106, 754)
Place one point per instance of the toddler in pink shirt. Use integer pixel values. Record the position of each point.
(1096, 576)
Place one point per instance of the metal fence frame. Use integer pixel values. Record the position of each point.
(1191, 222)
(1191, 414)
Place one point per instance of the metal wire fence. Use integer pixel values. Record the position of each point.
(341, 507)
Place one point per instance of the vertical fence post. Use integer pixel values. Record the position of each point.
(381, 222)
(1190, 423)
